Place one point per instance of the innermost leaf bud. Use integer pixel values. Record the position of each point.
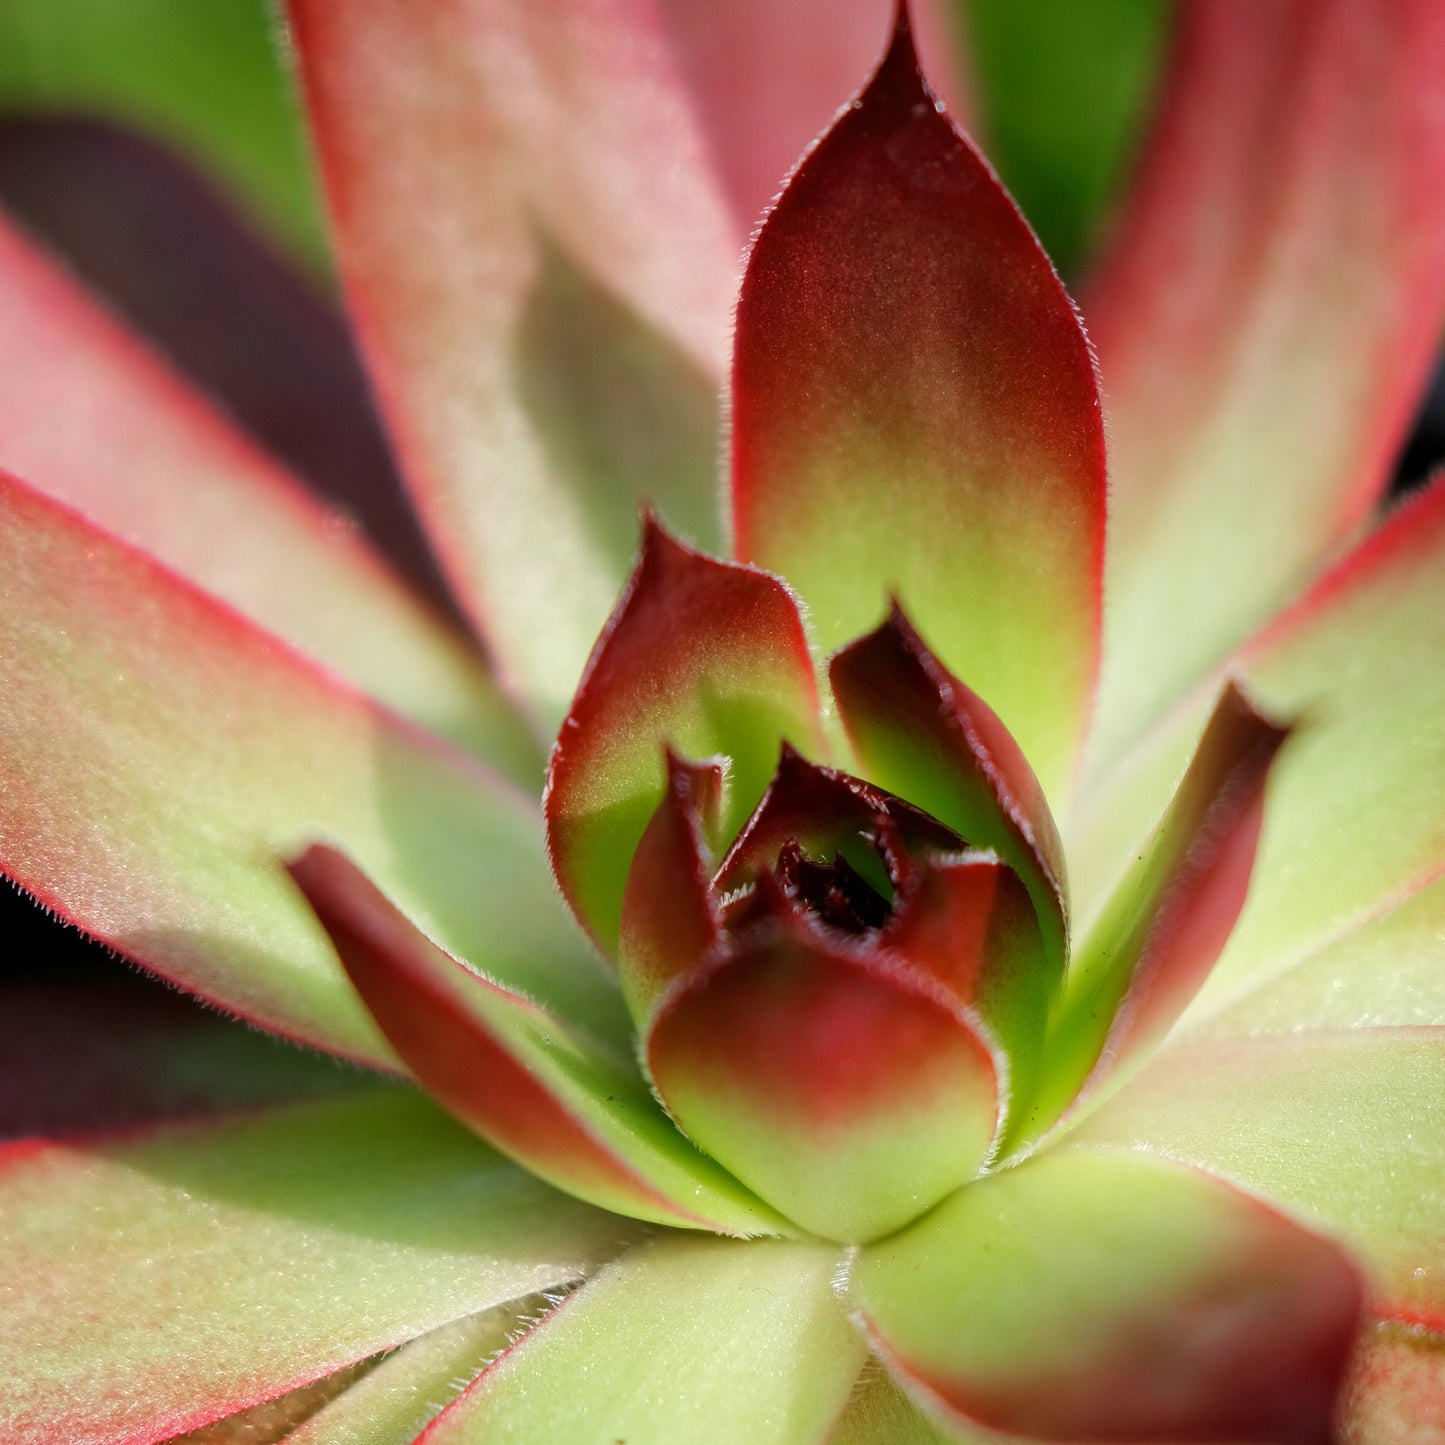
(803, 1021)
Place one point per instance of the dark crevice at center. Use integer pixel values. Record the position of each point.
(836, 892)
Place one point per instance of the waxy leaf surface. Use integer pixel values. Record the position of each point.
(1174, 1307)
(702, 656)
(914, 411)
(545, 346)
(1341, 1127)
(1266, 321)
(162, 755)
(157, 1283)
(568, 1106)
(705, 1340)
(89, 416)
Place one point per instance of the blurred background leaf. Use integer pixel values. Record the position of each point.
(1065, 89)
(203, 75)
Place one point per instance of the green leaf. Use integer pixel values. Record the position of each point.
(915, 414)
(155, 1284)
(1390, 970)
(703, 656)
(563, 1105)
(162, 756)
(1092, 1294)
(409, 1388)
(1064, 90)
(705, 1340)
(1341, 1127)
(204, 77)
(1147, 957)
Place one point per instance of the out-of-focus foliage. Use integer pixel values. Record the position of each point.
(202, 74)
(1064, 91)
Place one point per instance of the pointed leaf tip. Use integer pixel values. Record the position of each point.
(705, 656)
(531, 1083)
(1170, 916)
(915, 410)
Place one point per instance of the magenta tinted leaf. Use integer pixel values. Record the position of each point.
(915, 412)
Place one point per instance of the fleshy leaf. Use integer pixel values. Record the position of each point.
(546, 347)
(402, 1394)
(1396, 1394)
(162, 754)
(89, 416)
(914, 411)
(163, 1281)
(1152, 949)
(669, 913)
(829, 813)
(879, 1413)
(709, 1341)
(968, 922)
(1265, 323)
(1342, 1127)
(922, 734)
(1354, 823)
(706, 657)
(1387, 972)
(548, 1094)
(1172, 1306)
(847, 1088)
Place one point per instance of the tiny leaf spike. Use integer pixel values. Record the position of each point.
(709, 657)
(914, 411)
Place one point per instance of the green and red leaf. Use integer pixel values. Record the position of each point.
(846, 1087)
(1170, 917)
(162, 754)
(920, 733)
(702, 656)
(1342, 1127)
(669, 910)
(1105, 1295)
(710, 1341)
(541, 1089)
(914, 412)
(1266, 321)
(91, 417)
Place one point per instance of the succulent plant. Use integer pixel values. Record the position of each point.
(975, 969)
